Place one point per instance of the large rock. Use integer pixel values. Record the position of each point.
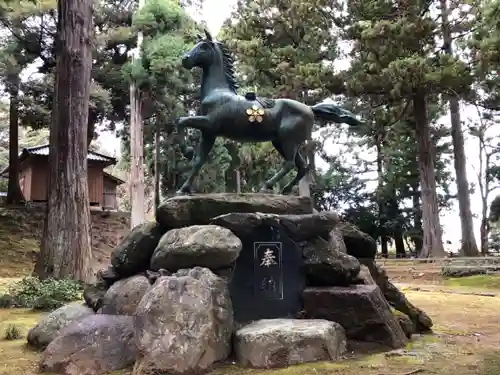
(336, 240)
(123, 297)
(358, 244)
(188, 210)
(184, 324)
(132, 255)
(93, 345)
(284, 342)
(304, 227)
(297, 227)
(325, 266)
(93, 294)
(361, 309)
(208, 246)
(243, 223)
(396, 298)
(406, 324)
(49, 326)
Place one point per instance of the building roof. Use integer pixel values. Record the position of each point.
(43, 150)
(117, 180)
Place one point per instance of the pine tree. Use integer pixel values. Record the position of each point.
(397, 61)
(65, 250)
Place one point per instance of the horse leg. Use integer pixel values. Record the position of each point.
(287, 149)
(204, 147)
(196, 122)
(302, 169)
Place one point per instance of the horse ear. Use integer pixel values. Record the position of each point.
(199, 36)
(209, 37)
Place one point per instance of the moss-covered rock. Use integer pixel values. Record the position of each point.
(133, 254)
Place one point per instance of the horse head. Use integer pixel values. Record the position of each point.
(202, 55)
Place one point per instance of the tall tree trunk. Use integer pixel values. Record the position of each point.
(469, 245)
(65, 250)
(137, 189)
(417, 221)
(157, 164)
(394, 212)
(400, 243)
(485, 225)
(432, 239)
(92, 119)
(382, 209)
(14, 193)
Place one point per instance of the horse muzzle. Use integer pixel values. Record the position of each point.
(187, 61)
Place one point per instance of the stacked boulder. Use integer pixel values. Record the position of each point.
(166, 303)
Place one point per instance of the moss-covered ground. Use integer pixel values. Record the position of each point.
(465, 342)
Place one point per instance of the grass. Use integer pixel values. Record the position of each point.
(19, 242)
(467, 328)
(15, 358)
(477, 281)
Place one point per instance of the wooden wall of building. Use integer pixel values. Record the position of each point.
(34, 176)
(39, 179)
(96, 184)
(25, 181)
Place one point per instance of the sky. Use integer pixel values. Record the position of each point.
(215, 12)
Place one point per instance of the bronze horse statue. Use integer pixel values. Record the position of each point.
(286, 123)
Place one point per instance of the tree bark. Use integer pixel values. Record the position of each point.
(382, 211)
(14, 192)
(157, 164)
(469, 245)
(137, 188)
(65, 250)
(400, 243)
(432, 233)
(417, 220)
(136, 159)
(485, 231)
(91, 126)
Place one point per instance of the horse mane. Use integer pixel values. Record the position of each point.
(228, 62)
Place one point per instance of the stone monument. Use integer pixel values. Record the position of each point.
(256, 277)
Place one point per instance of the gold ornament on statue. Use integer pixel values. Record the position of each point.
(255, 114)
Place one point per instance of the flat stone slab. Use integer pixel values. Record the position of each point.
(274, 343)
(361, 309)
(298, 227)
(268, 278)
(199, 209)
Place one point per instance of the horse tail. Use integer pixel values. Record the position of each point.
(334, 113)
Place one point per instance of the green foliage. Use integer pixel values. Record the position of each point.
(285, 49)
(395, 56)
(159, 17)
(13, 332)
(49, 294)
